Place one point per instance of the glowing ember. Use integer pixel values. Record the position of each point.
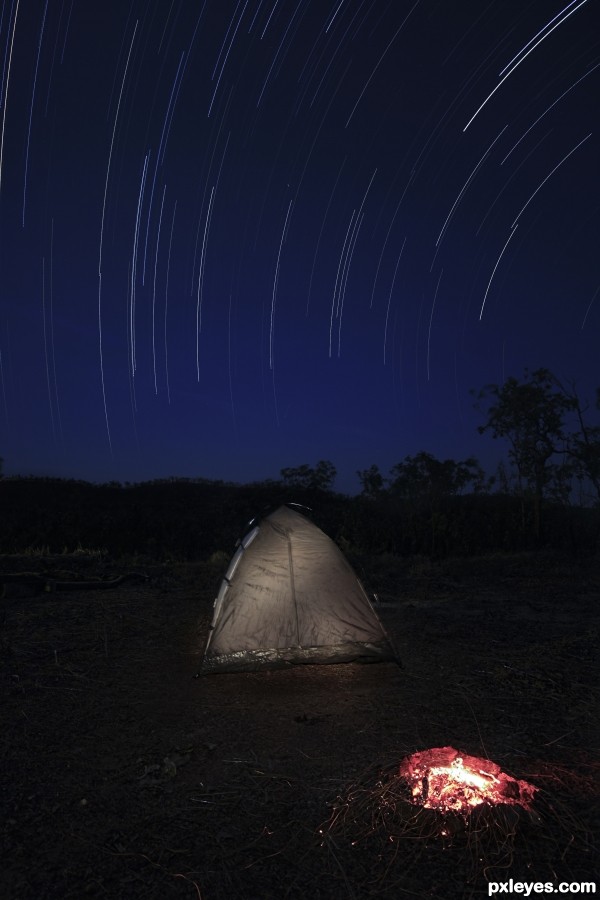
(446, 780)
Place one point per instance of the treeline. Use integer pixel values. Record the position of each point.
(547, 495)
(184, 519)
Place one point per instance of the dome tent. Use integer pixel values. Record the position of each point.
(288, 597)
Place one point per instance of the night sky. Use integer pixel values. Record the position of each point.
(238, 236)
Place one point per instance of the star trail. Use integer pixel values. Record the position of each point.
(239, 236)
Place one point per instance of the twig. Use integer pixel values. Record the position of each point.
(185, 878)
(330, 844)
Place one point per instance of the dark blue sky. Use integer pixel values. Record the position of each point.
(238, 236)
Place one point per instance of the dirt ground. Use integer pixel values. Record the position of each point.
(124, 776)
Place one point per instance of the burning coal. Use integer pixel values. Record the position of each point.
(444, 779)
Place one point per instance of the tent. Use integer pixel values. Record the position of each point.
(289, 596)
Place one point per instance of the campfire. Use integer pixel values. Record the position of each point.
(444, 779)
(439, 795)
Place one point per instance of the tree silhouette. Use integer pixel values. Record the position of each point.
(423, 477)
(305, 477)
(583, 447)
(372, 482)
(530, 415)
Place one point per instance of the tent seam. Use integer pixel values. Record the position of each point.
(293, 588)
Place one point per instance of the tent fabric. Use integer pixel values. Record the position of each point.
(289, 596)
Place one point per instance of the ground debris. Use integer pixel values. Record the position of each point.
(125, 776)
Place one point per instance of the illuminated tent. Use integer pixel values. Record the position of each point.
(289, 596)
